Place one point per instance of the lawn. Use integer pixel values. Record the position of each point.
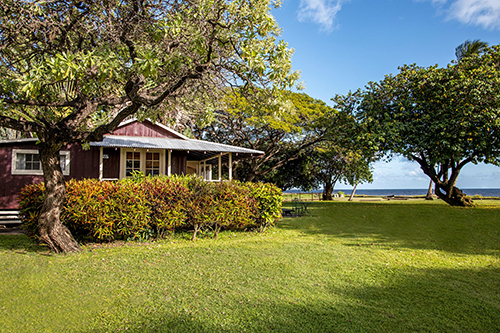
(409, 266)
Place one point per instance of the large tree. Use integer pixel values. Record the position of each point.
(342, 156)
(442, 118)
(71, 71)
(282, 130)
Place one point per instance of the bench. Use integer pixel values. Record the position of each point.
(9, 218)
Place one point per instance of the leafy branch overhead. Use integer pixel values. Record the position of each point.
(67, 63)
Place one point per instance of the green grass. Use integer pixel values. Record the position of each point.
(409, 266)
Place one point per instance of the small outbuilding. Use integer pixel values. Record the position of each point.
(151, 148)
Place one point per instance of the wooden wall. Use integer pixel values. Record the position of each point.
(111, 165)
(145, 128)
(83, 164)
(179, 162)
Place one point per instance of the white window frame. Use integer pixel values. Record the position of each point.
(16, 171)
(123, 160)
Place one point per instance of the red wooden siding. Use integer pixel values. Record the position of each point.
(83, 164)
(179, 161)
(11, 184)
(145, 128)
(111, 165)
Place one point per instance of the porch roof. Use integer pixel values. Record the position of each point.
(197, 149)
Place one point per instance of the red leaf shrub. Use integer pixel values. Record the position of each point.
(133, 208)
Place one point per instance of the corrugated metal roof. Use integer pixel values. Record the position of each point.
(19, 140)
(120, 141)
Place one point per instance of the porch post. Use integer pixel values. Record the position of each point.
(169, 163)
(205, 169)
(220, 167)
(101, 162)
(230, 166)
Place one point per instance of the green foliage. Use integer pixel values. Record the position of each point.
(281, 127)
(236, 206)
(72, 71)
(269, 201)
(106, 210)
(31, 200)
(146, 207)
(167, 198)
(442, 118)
(160, 48)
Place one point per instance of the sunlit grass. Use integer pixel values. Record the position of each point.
(349, 267)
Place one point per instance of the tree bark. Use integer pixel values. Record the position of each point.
(429, 191)
(454, 196)
(51, 230)
(353, 191)
(327, 191)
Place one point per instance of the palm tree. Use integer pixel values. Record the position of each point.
(468, 48)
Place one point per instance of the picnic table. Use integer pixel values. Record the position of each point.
(301, 207)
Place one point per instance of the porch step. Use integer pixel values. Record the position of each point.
(9, 217)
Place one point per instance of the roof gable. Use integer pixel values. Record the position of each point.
(146, 128)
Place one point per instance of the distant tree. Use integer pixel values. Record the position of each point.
(442, 118)
(468, 48)
(333, 164)
(71, 71)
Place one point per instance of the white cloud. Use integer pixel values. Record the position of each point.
(321, 12)
(484, 13)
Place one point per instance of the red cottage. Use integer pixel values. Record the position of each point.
(151, 148)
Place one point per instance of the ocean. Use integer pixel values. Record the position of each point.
(485, 192)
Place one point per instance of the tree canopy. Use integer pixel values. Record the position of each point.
(283, 131)
(71, 71)
(442, 118)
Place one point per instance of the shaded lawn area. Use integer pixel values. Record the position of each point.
(350, 267)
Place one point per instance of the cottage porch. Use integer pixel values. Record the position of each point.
(121, 155)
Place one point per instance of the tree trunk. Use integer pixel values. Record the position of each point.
(327, 191)
(454, 196)
(429, 191)
(216, 231)
(51, 230)
(196, 229)
(353, 191)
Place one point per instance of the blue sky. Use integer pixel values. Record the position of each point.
(340, 45)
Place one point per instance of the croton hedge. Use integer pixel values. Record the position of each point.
(145, 207)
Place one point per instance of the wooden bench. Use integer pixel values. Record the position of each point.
(9, 218)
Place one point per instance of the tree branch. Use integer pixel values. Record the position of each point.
(19, 125)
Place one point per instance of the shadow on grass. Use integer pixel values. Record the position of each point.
(16, 242)
(435, 300)
(405, 225)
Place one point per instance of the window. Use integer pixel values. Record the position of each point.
(27, 162)
(152, 164)
(133, 163)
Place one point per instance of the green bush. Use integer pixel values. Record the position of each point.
(234, 208)
(167, 198)
(31, 200)
(269, 202)
(106, 210)
(146, 207)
